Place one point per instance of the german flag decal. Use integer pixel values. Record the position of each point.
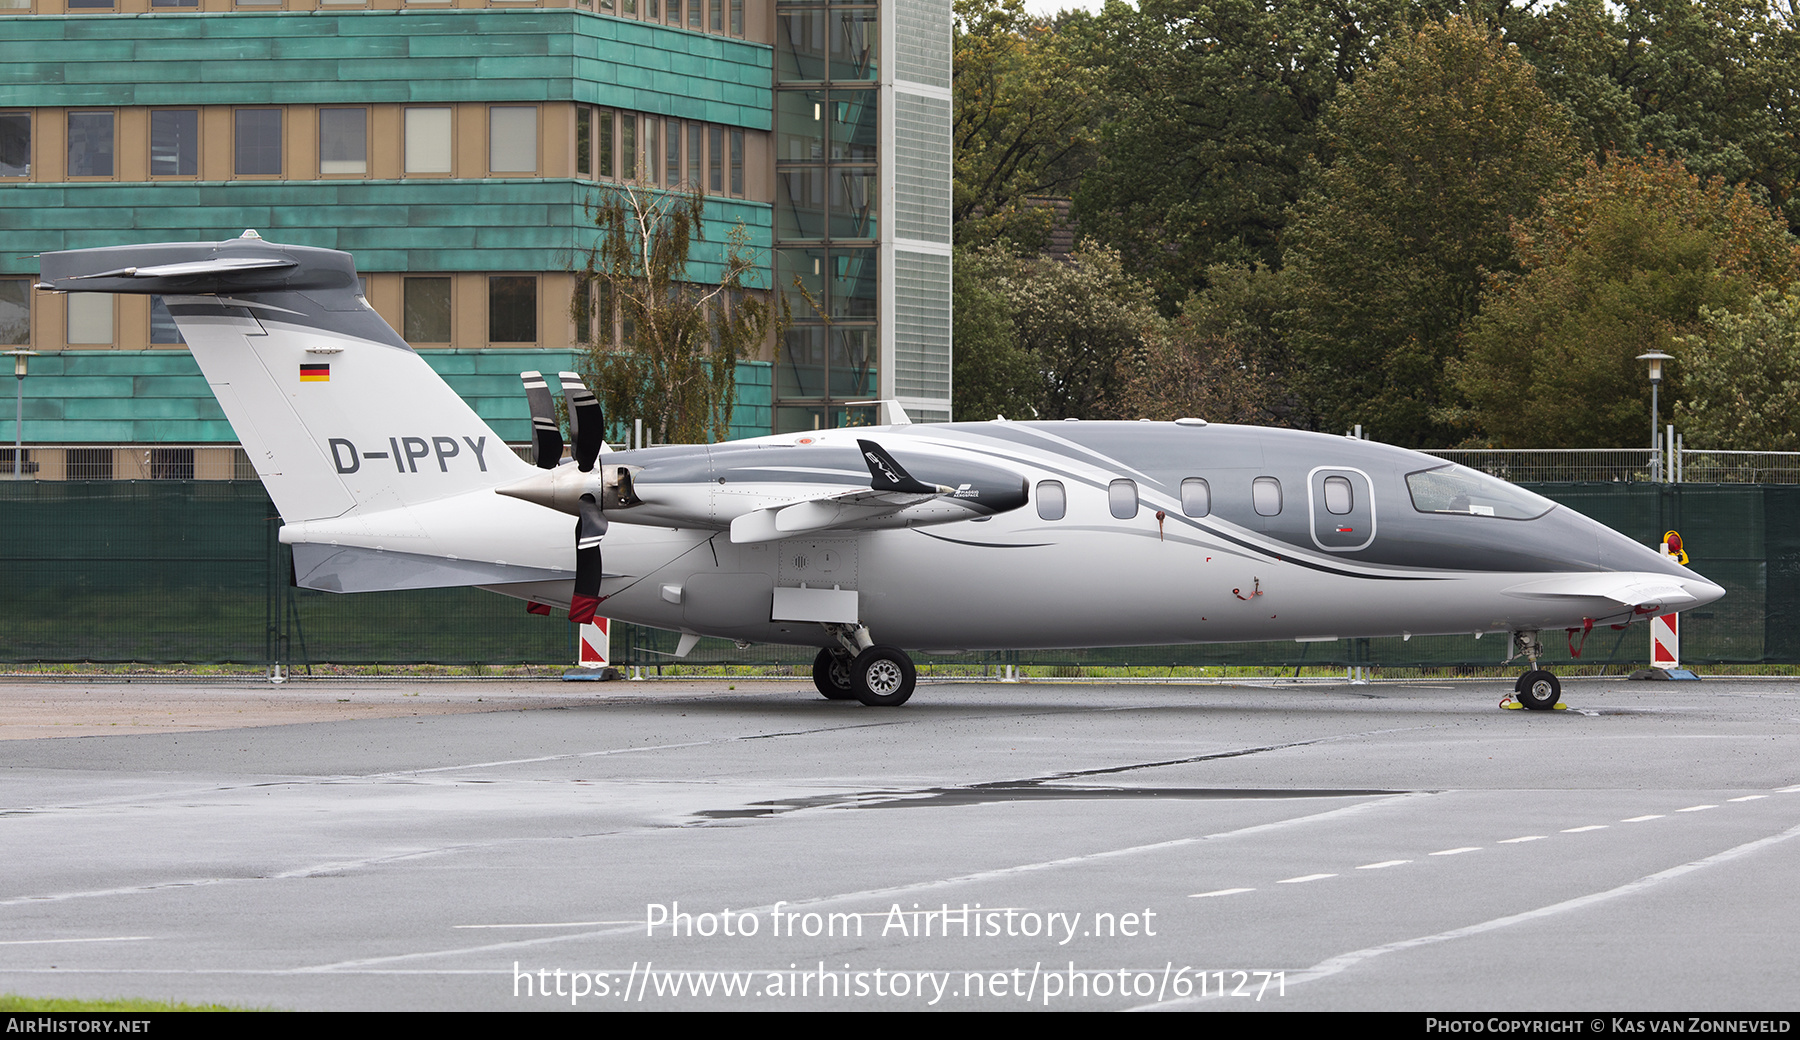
(315, 373)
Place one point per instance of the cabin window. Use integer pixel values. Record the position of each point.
(1052, 500)
(1338, 499)
(1265, 494)
(1196, 496)
(163, 330)
(1463, 491)
(1122, 498)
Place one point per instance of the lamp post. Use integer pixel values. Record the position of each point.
(19, 356)
(1655, 359)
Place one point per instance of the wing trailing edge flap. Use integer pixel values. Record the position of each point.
(817, 514)
(1641, 592)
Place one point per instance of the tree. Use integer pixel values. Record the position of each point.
(1044, 338)
(1023, 120)
(1431, 156)
(1742, 377)
(1620, 263)
(671, 358)
(1215, 113)
(993, 376)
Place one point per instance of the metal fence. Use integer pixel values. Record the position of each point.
(1679, 465)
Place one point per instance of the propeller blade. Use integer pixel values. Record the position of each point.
(546, 435)
(585, 421)
(588, 532)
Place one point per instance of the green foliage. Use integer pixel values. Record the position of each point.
(1432, 154)
(660, 347)
(1216, 116)
(1742, 377)
(1620, 263)
(1023, 120)
(1046, 338)
(993, 375)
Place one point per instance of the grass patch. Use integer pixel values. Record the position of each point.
(16, 1003)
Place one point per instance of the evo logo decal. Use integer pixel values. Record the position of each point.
(407, 451)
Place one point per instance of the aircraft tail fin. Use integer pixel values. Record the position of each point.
(336, 412)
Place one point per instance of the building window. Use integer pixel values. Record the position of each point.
(696, 133)
(427, 310)
(1265, 494)
(628, 146)
(715, 158)
(584, 142)
(343, 141)
(15, 144)
(90, 144)
(652, 150)
(88, 464)
(175, 3)
(717, 9)
(428, 140)
(512, 309)
(737, 17)
(90, 5)
(512, 139)
(163, 330)
(603, 133)
(258, 142)
(175, 142)
(172, 463)
(696, 16)
(90, 319)
(15, 312)
(737, 162)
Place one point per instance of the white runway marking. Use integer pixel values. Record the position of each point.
(1345, 961)
(1747, 798)
(894, 890)
(1302, 879)
(1383, 864)
(550, 924)
(1589, 827)
(1457, 852)
(1220, 892)
(1515, 841)
(52, 942)
(1696, 808)
(1641, 819)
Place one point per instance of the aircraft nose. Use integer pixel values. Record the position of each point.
(1702, 590)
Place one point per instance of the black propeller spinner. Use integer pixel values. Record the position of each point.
(587, 428)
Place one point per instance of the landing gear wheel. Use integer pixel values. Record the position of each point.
(1538, 690)
(883, 677)
(831, 674)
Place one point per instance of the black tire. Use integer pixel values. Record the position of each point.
(883, 677)
(831, 674)
(1538, 690)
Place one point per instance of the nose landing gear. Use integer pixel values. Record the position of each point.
(1537, 689)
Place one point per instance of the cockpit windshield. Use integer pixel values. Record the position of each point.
(1466, 492)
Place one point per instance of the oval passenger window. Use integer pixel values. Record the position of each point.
(1337, 495)
(1122, 498)
(1052, 503)
(1265, 494)
(1196, 496)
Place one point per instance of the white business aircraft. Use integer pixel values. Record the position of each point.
(939, 537)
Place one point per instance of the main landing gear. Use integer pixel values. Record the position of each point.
(1536, 689)
(879, 676)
